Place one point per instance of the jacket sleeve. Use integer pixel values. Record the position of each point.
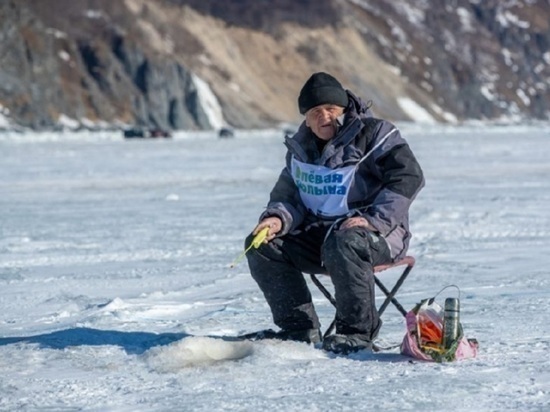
(285, 203)
(401, 180)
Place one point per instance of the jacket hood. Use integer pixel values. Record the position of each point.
(357, 107)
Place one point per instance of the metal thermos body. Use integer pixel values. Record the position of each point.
(451, 320)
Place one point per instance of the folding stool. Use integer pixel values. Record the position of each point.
(407, 261)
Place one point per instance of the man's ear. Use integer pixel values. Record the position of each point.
(307, 123)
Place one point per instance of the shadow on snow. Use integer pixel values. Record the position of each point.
(134, 343)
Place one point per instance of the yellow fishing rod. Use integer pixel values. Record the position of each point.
(256, 242)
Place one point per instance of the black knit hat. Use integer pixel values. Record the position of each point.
(321, 88)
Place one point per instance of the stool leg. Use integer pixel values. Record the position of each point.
(327, 295)
(390, 295)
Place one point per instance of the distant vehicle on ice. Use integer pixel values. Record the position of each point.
(226, 132)
(145, 133)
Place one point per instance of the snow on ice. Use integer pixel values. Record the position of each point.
(116, 287)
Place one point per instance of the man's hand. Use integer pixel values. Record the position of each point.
(356, 221)
(273, 223)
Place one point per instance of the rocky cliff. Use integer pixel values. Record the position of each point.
(198, 64)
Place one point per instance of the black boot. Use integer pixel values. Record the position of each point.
(304, 335)
(345, 344)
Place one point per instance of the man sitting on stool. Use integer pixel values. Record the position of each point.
(340, 207)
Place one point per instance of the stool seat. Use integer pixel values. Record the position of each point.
(407, 260)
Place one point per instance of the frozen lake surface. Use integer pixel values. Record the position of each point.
(114, 269)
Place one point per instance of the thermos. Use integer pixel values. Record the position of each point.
(451, 322)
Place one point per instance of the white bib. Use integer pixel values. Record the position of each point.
(324, 191)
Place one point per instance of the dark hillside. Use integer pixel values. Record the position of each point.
(198, 64)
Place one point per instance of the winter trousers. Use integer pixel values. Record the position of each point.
(347, 256)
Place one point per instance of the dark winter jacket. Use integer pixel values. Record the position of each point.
(385, 184)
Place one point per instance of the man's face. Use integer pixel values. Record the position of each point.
(322, 120)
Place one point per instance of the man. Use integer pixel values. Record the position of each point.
(340, 207)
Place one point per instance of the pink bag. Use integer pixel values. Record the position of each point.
(424, 337)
